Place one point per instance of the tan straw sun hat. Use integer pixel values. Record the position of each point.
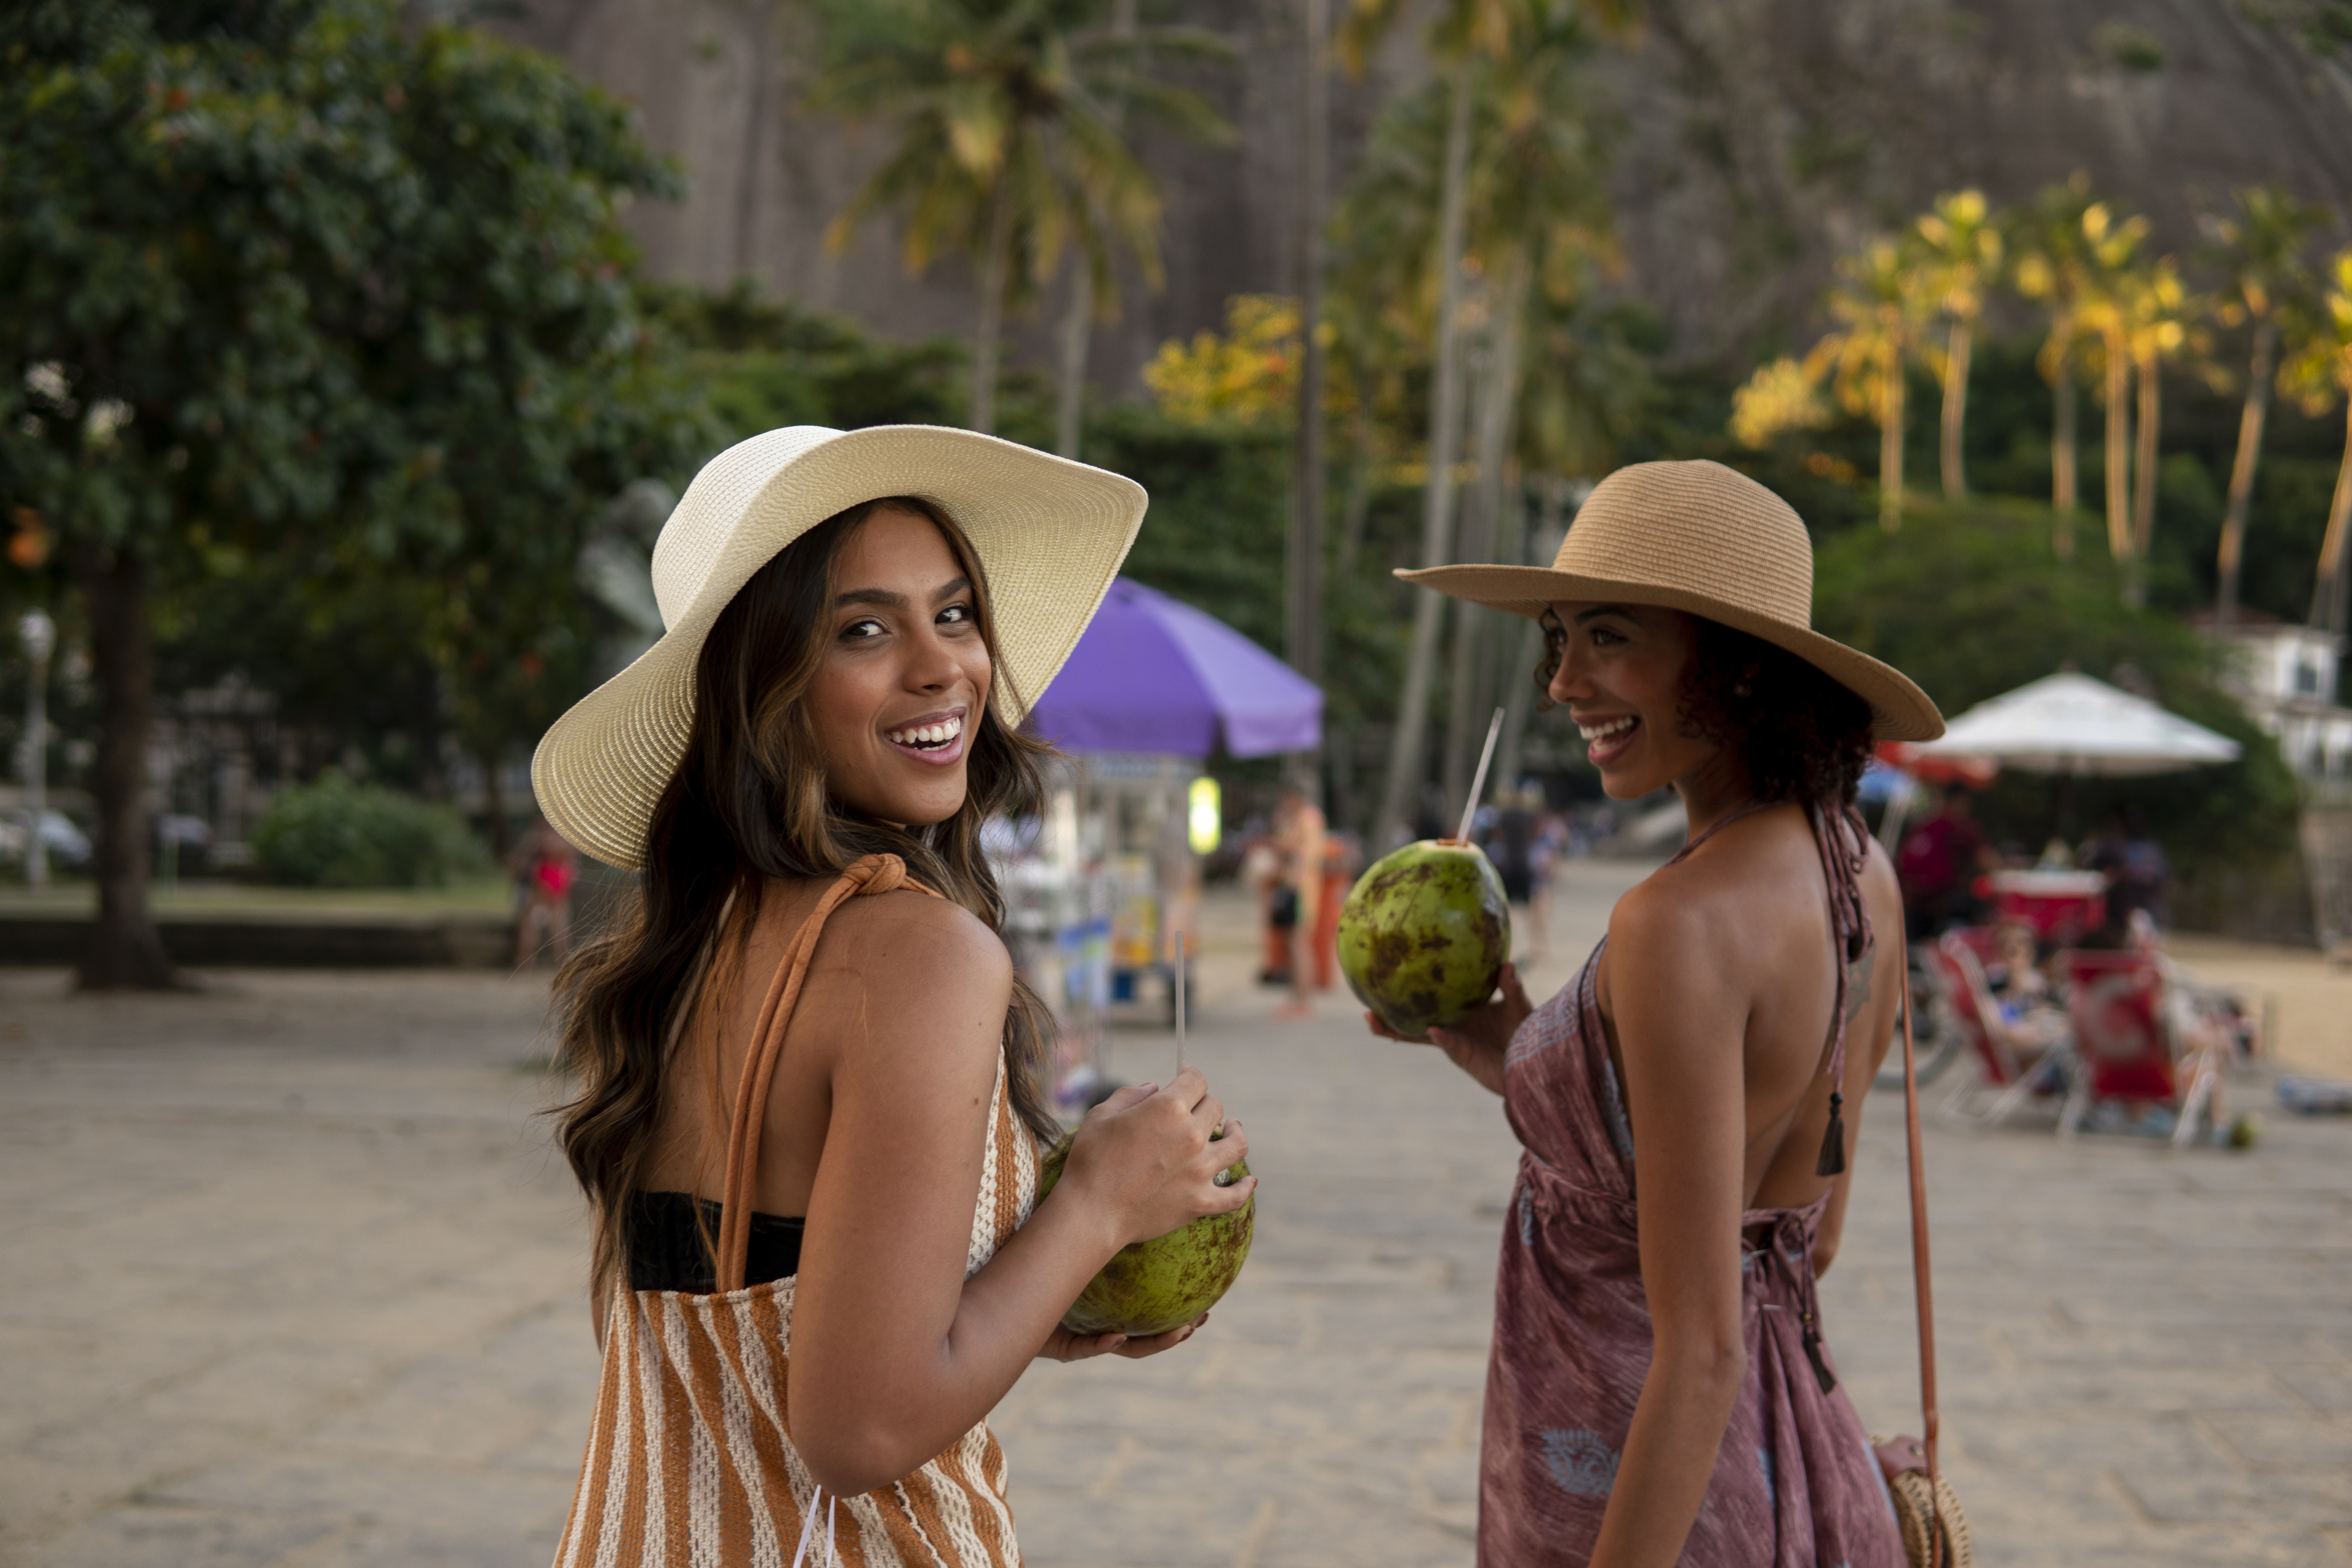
(1702, 538)
(1050, 536)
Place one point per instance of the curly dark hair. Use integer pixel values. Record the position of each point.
(1801, 735)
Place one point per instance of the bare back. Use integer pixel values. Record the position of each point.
(1752, 917)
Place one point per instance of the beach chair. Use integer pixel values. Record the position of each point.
(2126, 1045)
(2008, 1064)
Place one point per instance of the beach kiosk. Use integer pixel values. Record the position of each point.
(1101, 890)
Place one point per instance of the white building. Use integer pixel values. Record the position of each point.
(2285, 677)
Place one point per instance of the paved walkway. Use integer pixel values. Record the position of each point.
(296, 1281)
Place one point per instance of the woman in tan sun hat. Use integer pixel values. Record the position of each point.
(1659, 1391)
(807, 1121)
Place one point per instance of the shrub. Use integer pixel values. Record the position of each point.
(337, 834)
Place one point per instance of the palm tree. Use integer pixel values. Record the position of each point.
(1011, 142)
(2156, 311)
(1466, 37)
(1960, 254)
(1881, 306)
(2053, 267)
(2318, 373)
(2261, 253)
(2109, 254)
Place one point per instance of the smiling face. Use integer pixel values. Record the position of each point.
(905, 673)
(1624, 671)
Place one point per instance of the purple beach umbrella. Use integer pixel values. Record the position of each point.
(1154, 675)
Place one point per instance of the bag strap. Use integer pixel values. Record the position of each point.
(1921, 1282)
(870, 874)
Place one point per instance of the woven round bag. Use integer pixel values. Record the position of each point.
(1916, 1508)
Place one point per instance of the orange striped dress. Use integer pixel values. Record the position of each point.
(690, 1460)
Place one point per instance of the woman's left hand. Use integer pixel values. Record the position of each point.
(1065, 1346)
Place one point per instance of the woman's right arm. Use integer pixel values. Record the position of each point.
(894, 1353)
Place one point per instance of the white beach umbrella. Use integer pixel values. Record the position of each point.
(2071, 724)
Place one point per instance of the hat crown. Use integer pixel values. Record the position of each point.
(719, 504)
(1696, 526)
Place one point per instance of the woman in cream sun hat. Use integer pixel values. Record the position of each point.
(807, 1121)
(1660, 1391)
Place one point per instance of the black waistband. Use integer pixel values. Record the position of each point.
(667, 1250)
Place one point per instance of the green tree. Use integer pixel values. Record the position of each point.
(1959, 248)
(1880, 308)
(2261, 254)
(2319, 374)
(2112, 264)
(2158, 311)
(2053, 267)
(1467, 39)
(1010, 117)
(299, 281)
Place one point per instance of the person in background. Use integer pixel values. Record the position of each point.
(1278, 909)
(545, 868)
(1298, 834)
(1343, 861)
(2136, 868)
(1938, 865)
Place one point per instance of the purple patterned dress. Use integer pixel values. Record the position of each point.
(1795, 1484)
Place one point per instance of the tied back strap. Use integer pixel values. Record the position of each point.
(1844, 840)
(871, 874)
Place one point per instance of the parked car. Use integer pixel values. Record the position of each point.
(66, 846)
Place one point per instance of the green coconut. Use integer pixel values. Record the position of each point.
(1151, 1286)
(1424, 934)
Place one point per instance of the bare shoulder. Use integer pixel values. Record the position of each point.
(913, 982)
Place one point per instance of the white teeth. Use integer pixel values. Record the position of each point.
(1601, 732)
(926, 734)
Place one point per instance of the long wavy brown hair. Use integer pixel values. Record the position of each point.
(749, 805)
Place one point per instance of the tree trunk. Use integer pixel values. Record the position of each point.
(1520, 691)
(1956, 408)
(2328, 599)
(1407, 759)
(125, 950)
(1473, 541)
(1890, 442)
(2152, 391)
(2242, 472)
(2063, 489)
(1356, 507)
(494, 801)
(1495, 420)
(994, 269)
(1078, 334)
(2118, 452)
(1303, 579)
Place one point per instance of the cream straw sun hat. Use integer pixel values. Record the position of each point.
(1702, 538)
(1050, 536)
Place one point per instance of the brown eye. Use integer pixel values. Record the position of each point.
(861, 631)
(956, 616)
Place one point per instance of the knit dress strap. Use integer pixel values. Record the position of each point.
(869, 875)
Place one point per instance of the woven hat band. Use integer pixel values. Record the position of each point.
(1695, 527)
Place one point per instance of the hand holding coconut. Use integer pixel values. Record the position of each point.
(1148, 1162)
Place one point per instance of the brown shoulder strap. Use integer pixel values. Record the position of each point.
(1921, 1282)
(872, 874)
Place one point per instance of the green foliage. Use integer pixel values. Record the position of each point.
(304, 295)
(336, 834)
(1968, 602)
(763, 363)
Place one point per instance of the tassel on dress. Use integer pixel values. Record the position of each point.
(1832, 1159)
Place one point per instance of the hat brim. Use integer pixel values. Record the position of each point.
(1050, 536)
(1899, 710)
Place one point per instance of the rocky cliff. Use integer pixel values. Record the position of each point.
(1760, 137)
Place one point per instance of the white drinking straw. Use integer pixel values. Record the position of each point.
(1470, 811)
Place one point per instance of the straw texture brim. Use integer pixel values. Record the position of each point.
(1899, 710)
(1050, 536)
